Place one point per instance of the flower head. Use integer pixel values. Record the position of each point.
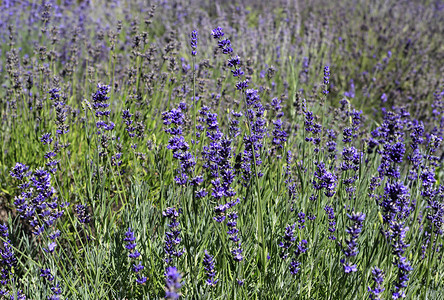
(173, 285)
(193, 42)
(217, 33)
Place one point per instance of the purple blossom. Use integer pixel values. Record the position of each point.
(288, 244)
(351, 159)
(19, 171)
(324, 180)
(8, 261)
(332, 223)
(279, 135)
(242, 85)
(82, 214)
(217, 33)
(46, 273)
(134, 254)
(396, 203)
(378, 278)
(351, 249)
(46, 139)
(51, 247)
(288, 240)
(173, 284)
(179, 146)
(193, 42)
(37, 203)
(129, 239)
(172, 238)
(404, 268)
(347, 134)
(326, 79)
(234, 237)
(209, 267)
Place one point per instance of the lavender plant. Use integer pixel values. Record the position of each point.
(210, 150)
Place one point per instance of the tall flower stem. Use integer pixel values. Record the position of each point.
(260, 224)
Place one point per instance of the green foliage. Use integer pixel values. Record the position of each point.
(90, 260)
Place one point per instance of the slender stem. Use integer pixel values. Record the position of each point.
(260, 225)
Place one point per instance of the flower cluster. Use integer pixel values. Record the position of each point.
(435, 206)
(253, 140)
(288, 240)
(134, 255)
(390, 131)
(82, 214)
(179, 146)
(223, 44)
(99, 103)
(331, 145)
(135, 128)
(417, 134)
(8, 262)
(233, 231)
(301, 220)
(324, 180)
(396, 203)
(279, 134)
(404, 268)
(434, 143)
(326, 79)
(312, 128)
(347, 135)
(289, 243)
(391, 157)
(173, 285)
(378, 278)
(193, 42)
(208, 263)
(217, 161)
(37, 202)
(20, 172)
(332, 223)
(351, 157)
(38, 205)
(350, 165)
(172, 239)
(127, 119)
(352, 250)
(295, 263)
(396, 208)
(396, 235)
(217, 156)
(61, 110)
(102, 112)
(254, 112)
(234, 129)
(237, 250)
(355, 119)
(50, 155)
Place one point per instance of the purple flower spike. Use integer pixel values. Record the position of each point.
(210, 269)
(173, 285)
(134, 254)
(378, 278)
(217, 33)
(193, 42)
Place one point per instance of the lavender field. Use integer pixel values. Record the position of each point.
(172, 149)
